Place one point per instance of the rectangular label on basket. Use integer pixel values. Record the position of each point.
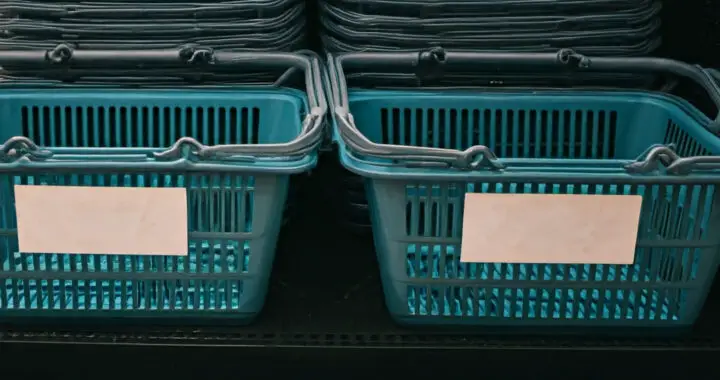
(102, 220)
(550, 228)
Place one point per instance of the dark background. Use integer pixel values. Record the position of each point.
(325, 313)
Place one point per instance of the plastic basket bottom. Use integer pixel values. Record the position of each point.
(654, 288)
(213, 276)
(100, 291)
(205, 257)
(581, 303)
(122, 295)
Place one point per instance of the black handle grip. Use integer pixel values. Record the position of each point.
(66, 54)
(436, 60)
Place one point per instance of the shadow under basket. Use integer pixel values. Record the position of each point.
(417, 212)
(234, 208)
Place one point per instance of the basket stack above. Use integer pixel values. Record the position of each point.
(263, 25)
(605, 27)
(592, 27)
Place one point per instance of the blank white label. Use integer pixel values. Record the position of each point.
(550, 228)
(102, 220)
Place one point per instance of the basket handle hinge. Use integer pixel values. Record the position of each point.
(651, 159)
(190, 149)
(59, 54)
(656, 155)
(18, 147)
(478, 157)
(573, 59)
(431, 63)
(197, 55)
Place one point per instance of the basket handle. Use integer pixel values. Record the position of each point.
(665, 155)
(312, 127)
(433, 62)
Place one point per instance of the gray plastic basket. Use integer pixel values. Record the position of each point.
(629, 31)
(159, 26)
(292, 38)
(250, 9)
(432, 23)
(147, 27)
(470, 8)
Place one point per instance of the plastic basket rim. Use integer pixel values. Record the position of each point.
(120, 94)
(278, 166)
(379, 170)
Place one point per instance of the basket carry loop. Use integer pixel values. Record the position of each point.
(187, 152)
(434, 61)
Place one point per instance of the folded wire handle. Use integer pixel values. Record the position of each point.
(64, 55)
(666, 156)
(435, 61)
(19, 146)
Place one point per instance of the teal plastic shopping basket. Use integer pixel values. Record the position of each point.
(232, 148)
(421, 150)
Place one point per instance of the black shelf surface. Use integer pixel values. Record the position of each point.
(325, 310)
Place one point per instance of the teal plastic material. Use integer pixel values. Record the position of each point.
(235, 203)
(552, 142)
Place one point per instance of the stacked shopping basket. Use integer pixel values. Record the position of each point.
(231, 148)
(422, 151)
(603, 28)
(608, 27)
(267, 25)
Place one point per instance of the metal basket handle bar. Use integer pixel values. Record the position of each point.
(436, 60)
(666, 156)
(475, 157)
(311, 132)
(456, 3)
(20, 153)
(714, 73)
(481, 156)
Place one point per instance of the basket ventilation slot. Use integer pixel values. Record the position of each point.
(509, 133)
(685, 145)
(154, 127)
